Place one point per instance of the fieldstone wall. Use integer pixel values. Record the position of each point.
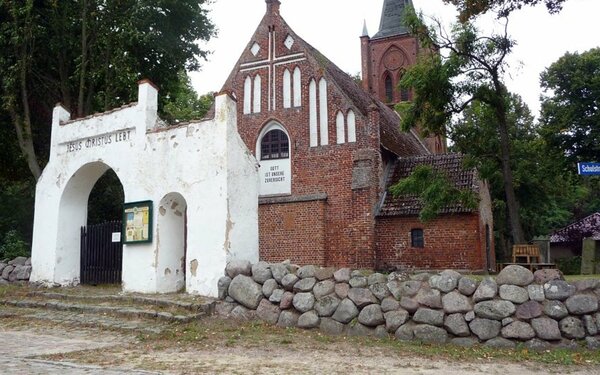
(16, 270)
(540, 310)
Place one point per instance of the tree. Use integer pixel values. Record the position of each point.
(468, 68)
(570, 112)
(469, 9)
(88, 54)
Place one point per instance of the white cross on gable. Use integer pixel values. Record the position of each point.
(270, 64)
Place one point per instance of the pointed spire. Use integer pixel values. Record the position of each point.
(392, 18)
(365, 31)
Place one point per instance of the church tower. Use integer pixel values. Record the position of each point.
(387, 55)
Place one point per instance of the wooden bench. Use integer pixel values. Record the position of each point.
(529, 253)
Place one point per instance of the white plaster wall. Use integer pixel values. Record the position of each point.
(190, 160)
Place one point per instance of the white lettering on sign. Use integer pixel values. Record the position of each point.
(99, 141)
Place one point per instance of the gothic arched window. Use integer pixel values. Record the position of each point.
(274, 145)
(389, 88)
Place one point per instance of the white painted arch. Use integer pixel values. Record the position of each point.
(201, 178)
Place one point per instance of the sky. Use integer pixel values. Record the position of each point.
(334, 28)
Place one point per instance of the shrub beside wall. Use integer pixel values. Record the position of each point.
(540, 310)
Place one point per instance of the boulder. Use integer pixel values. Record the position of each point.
(268, 312)
(288, 281)
(269, 287)
(409, 304)
(28, 262)
(590, 325)
(18, 261)
(345, 312)
(324, 273)
(381, 332)
(23, 273)
(379, 290)
(537, 344)
(389, 304)
(429, 297)
(555, 309)
(514, 275)
(362, 297)
(306, 272)
(238, 267)
(485, 329)
(241, 313)
(2, 267)
(495, 309)
(305, 285)
(486, 290)
(394, 319)
(323, 288)
(342, 275)
(359, 330)
(331, 327)
(406, 332)
(457, 325)
(507, 321)
(261, 272)
(371, 316)
(592, 343)
(455, 302)
(518, 330)
(276, 295)
(528, 310)
(513, 293)
(278, 270)
(304, 302)
(429, 316)
(580, 304)
(545, 275)
(358, 282)
(447, 281)
(536, 292)
(409, 288)
(308, 320)
(7, 271)
(223, 286)
(288, 318)
(286, 300)
(587, 285)
(429, 333)
(13, 275)
(470, 316)
(467, 286)
(326, 306)
(558, 290)
(500, 343)
(572, 327)
(377, 278)
(423, 276)
(223, 309)
(395, 287)
(245, 291)
(342, 289)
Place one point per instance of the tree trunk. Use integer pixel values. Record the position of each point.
(512, 204)
(84, 62)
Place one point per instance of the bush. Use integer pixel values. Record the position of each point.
(13, 246)
(569, 266)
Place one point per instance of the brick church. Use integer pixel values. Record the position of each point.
(329, 149)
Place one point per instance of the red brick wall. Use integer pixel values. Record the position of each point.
(451, 242)
(347, 216)
(294, 231)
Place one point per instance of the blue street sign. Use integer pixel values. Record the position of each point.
(588, 169)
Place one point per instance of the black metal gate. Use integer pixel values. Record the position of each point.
(101, 258)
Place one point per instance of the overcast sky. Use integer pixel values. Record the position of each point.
(334, 28)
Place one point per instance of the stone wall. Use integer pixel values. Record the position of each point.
(18, 269)
(540, 310)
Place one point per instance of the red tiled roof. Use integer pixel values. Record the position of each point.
(449, 164)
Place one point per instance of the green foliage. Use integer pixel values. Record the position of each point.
(571, 105)
(435, 190)
(183, 103)
(106, 199)
(13, 246)
(471, 8)
(570, 265)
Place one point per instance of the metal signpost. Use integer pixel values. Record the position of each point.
(588, 169)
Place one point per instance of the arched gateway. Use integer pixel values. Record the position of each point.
(191, 194)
